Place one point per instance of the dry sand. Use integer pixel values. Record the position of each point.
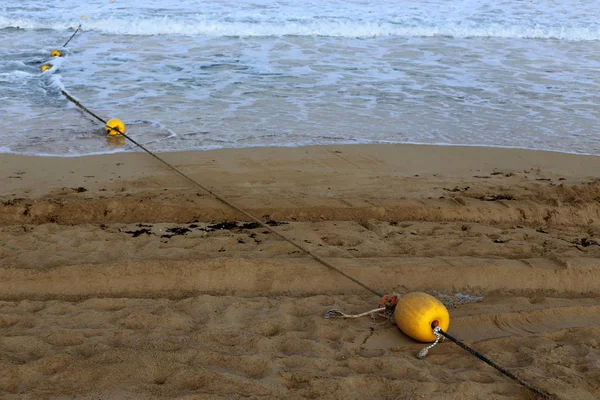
(115, 283)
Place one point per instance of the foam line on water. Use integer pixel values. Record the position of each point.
(333, 27)
(16, 76)
(310, 143)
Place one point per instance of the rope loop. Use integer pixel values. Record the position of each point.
(438, 337)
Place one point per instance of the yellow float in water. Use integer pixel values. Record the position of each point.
(115, 127)
(45, 67)
(56, 53)
(418, 313)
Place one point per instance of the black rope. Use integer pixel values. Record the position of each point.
(227, 202)
(303, 249)
(498, 367)
(307, 251)
(72, 36)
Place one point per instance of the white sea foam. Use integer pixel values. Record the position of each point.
(203, 26)
(545, 19)
(15, 76)
(350, 29)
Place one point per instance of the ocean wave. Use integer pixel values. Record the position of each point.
(15, 76)
(327, 27)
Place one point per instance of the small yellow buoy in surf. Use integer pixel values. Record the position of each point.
(418, 313)
(45, 67)
(115, 127)
(56, 53)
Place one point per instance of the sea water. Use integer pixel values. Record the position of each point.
(191, 74)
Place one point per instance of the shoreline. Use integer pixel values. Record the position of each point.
(216, 148)
(457, 160)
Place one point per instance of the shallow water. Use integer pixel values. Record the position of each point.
(195, 75)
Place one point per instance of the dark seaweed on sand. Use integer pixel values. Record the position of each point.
(231, 225)
(139, 232)
(496, 197)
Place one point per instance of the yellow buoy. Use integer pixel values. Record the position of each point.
(56, 53)
(45, 67)
(115, 127)
(418, 313)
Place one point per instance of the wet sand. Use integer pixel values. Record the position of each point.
(118, 280)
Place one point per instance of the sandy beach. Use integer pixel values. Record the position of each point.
(119, 280)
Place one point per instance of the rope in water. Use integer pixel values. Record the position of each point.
(227, 202)
(72, 36)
